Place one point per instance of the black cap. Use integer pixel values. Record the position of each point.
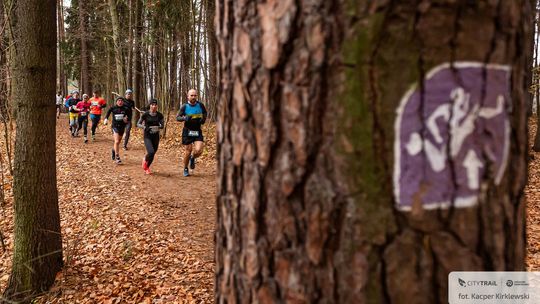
(153, 101)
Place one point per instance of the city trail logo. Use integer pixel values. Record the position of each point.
(509, 283)
(478, 283)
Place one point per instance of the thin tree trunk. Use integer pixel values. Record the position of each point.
(37, 254)
(329, 108)
(84, 84)
(121, 83)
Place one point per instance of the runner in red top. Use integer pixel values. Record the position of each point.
(97, 104)
(84, 110)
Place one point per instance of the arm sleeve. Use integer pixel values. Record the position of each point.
(161, 121)
(204, 112)
(140, 122)
(108, 113)
(181, 114)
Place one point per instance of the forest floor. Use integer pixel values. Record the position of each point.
(133, 238)
(532, 195)
(130, 237)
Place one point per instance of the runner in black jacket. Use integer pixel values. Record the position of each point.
(120, 118)
(151, 121)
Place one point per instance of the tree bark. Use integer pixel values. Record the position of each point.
(37, 255)
(84, 85)
(212, 99)
(314, 105)
(121, 85)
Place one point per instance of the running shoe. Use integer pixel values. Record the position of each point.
(113, 154)
(85, 140)
(93, 137)
(125, 148)
(147, 171)
(186, 172)
(118, 161)
(192, 162)
(144, 164)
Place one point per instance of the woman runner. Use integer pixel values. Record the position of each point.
(83, 107)
(151, 121)
(120, 118)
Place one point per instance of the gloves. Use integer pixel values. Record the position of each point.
(187, 118)
(105, 121)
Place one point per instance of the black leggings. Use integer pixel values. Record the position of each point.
(151, 142)
(95, 122)
(83, 123)
(128, 131)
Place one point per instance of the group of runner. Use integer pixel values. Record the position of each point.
(193, 113)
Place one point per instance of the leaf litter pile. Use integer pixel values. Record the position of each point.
(128, 237)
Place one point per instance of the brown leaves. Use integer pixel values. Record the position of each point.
(532, 193)
(128, 237)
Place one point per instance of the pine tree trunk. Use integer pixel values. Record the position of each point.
(346, 175)
(213, 59)
(121, 83)
(137, 62)
(37, 255)
(84, 84)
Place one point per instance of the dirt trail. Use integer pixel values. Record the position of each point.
(131, 237)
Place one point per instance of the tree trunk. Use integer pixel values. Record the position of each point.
(84, 84)
(212, 99)
(364, 147)
(37, 255)
(121, 85)
(140, 94)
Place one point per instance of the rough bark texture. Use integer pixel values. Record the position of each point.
(309, 92)
(37, 255)
(84, 85)
(121, 83)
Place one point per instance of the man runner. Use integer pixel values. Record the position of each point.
(96, 105)
(129, 103)
(193, 114)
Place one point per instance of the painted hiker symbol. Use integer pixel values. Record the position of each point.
(446, 139)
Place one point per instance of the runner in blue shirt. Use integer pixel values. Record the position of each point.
(193, 114)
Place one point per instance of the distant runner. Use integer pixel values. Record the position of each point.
(151, 121)
(97, 104)
(71, 105)
(193, 114)
(59, 103)
(84, 108)
(121, 116)
(130, 104)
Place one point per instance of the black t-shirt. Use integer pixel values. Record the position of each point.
(151, 122)
(118, 115)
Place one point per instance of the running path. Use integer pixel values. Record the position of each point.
(130, 237)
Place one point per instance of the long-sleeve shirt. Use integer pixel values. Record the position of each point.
(83, 107)
(193, 116)
(118, 115)
(151, 123)
(71, 104)
(96, 105)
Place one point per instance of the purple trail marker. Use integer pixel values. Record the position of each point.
(446, 140)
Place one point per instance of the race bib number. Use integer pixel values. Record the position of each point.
(154, 129)
(193, 133)
(95, 103)
(118, 117)
(83, 113)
